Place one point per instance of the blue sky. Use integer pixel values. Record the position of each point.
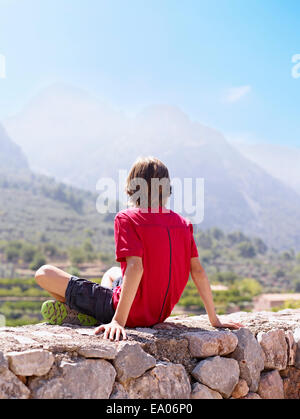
(227, 63)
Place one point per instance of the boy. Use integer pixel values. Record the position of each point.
(157, 252)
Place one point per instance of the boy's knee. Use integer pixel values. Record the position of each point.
(43, 272)
(114, 272)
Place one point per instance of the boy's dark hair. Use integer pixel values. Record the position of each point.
(148, 168)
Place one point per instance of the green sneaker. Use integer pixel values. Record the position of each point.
(55, 312)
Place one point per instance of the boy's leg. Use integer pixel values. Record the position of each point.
(53, 280)
(110, 275)
(56, 281)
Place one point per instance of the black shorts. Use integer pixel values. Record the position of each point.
(90, 298)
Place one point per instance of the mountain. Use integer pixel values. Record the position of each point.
(38, 209)
(11, 155)
(282, 162)
(68, 134)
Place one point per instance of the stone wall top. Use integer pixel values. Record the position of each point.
(262, 359)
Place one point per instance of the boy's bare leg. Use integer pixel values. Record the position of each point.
(53, 280)
(110, 275)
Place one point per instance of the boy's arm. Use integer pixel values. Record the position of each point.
(201, 281)
(130, 284)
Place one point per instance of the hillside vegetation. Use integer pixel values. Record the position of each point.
(244, 266)
(39, 210)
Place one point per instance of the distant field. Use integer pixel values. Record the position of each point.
(21, 300)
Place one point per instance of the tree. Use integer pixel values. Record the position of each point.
(217, 233)
(261, 247)
(28, 252)
(38, 261)
(249, 287)
(76, 255)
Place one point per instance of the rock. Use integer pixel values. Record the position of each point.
(291, 348)
(241, 389)
(3, 362)
(275, 348)
(24, 340)
(205, 344)
(250, 357)
(169, 349)
(131, 362)
(291, 383)
(271, 385)
(200, 391)
(81, 379)
(33, 362)
(297, 341)
(165, 381)
(146, 330)
(251, 396)
(11, 387)
(118, 392)
(220, 374)
(106, 351)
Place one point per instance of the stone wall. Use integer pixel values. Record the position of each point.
(181, 359)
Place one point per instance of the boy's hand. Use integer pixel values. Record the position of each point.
(229, 325)
(110, 330)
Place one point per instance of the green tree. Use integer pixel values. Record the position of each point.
(28, 252)
(246, 250)
(38, 261)
(260, 246)
(76, 255)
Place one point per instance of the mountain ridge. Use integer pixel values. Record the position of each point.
(80, 141)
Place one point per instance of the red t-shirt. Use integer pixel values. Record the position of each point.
(166, 245)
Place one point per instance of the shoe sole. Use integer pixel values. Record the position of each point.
(57, 313)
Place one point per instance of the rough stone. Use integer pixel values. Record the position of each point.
(205, 344)
(220, 374)
(119, 392)
(291, 383)
(165, 381)
(275, 349)
(250, 357)
(170, 349)
(106, 351)
(3, 362)
(252, 396)
(241, 389)
(131, 362)
(291, 348)
(200, 391)
(271, 385)
(297, 341)
(81, 379)
(33, 362)
(11, 387)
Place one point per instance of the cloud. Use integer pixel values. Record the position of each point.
(235, 94)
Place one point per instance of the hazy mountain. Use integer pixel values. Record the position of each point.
(37, 208)
(11, 155)
(280, 161)
(68, 134)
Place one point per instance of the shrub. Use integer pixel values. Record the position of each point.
(38, 261)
